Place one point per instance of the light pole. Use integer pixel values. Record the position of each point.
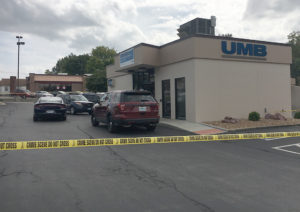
(19, 43)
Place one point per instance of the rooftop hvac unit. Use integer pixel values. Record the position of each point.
(197, 26)
(213, 21)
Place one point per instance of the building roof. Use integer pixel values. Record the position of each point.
(6, 82)
(208, 36)
(57, 78)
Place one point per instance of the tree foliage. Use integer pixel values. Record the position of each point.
(47, 71)
(93, 63)
(71, 64)
(294, 41)
(97, 82)
(100, 57)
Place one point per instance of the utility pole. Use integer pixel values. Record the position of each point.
(19, 43)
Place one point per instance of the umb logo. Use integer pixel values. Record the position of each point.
(243, 49)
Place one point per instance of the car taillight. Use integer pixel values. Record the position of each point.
(154, 108)
(62, 106)
(119, 108)
(37, 106)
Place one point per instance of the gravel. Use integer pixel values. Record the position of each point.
(246, 124)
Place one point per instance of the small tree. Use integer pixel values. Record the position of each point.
(97, 82)
(254, 116)
(297, 115)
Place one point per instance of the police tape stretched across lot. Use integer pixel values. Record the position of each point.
(19, 145)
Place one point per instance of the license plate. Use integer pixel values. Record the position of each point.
(50, 111)
(89, 109)
(142, 109)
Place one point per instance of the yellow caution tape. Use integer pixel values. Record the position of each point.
(19, 145)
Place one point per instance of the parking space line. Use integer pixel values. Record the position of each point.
(281, 148)
(271, 139)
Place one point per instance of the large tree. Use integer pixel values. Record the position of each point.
(94, 63)
(71, 64)
(100, 57)
(294, 41)
(97, 82)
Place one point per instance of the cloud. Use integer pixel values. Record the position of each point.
(84, 42)
(55, 28)
(271, 20)
(271, 8)
(36, 18)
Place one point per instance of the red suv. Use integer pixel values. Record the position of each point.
(126, 108)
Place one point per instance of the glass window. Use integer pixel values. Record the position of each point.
(144, 80)
(78, 98)
(51, 100)
(116, 97)
(133, 97)
(93, 98)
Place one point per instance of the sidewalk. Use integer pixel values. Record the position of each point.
(193, 127)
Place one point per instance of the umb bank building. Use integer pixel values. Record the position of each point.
(203, 77)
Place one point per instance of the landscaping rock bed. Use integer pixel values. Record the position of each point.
(246, 124)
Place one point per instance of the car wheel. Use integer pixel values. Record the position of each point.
(35, 118)
(73, 111)
(111, 125)
(151, 127)
(64, 118)
(90, 112)
(94, 121)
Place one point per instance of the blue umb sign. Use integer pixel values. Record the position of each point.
(127, 58)
(243, 49)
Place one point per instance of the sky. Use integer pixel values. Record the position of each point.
(53, 29)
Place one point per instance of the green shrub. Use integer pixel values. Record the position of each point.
(254, 116)
(297, 115)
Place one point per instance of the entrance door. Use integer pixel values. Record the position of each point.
(144, 80)
(166, 99)
(180, 98)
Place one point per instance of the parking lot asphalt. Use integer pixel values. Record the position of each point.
(251, 175)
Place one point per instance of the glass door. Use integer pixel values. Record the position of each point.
(166, 99)
(180, 98)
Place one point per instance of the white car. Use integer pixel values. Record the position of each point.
(40, 93)
(47, 95)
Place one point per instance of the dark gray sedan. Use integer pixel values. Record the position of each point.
(50, 107)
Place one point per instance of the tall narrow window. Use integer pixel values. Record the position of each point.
(180, 98)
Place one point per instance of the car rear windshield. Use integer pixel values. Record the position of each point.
(78, 98)
(92, 97)
(136, 97)
(48, 100)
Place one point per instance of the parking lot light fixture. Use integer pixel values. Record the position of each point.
(19, 43)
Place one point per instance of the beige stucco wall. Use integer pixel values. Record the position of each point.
(295, 97)
(215, 86)
(123, 82)
(143, 56)
(200, 47)
(230, 88)
(178, 70)
(77, 87)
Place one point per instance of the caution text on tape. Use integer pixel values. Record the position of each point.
(23, 145)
